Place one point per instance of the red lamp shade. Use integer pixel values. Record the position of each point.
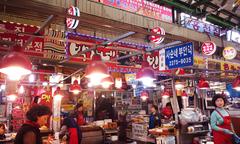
(75, 87)
(58, 94)
(15, 65)
(96, 71)
(106, 82)
(236, 83)
(203, 84)
(144, 95)
(145, 73)
(146, 76)
(165, 94)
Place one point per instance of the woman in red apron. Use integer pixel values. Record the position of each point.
(221, 122)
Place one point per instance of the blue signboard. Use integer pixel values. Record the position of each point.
(179, 56)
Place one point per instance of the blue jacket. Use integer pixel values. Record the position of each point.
(154, 120)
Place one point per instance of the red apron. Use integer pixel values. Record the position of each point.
(220, 137)
(73, 136)
(80, 119)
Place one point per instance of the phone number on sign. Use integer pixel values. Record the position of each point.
(181, 61)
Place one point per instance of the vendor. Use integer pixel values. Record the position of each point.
(79, 114)
(221, 122)
(2, 131)
(71, 127)
(154, 119)
(167, 111)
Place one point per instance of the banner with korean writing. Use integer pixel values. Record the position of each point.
(79, 43)
(142, 7)
(201, 26)
(19, 34)
(179, 56)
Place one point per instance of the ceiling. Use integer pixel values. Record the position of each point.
(220, 11)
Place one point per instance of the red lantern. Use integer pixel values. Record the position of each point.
(15, 65)
(75, 87)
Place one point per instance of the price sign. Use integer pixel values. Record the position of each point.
(179, 56)
(209, 48)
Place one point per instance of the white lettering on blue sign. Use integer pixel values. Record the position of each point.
(179, 56)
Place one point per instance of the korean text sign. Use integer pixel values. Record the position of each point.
(179, 56)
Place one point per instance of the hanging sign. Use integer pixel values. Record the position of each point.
(73, 23)
(157, 31)
(209, 48)
(201, 26)
(229, 53)
(162, 63)
(142, 7)
(16, 32)
(179, 56)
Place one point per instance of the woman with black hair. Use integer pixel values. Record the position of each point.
(71, 129)
(221, 122)
(79, 114)
(29, 132)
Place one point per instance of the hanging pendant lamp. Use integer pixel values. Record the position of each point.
(144, 95)
(146, 76)
(75, 87)
(96, 71)
(106, 82)
(58, 95)
(15, 65)
(165, 94)
(203, 84)
(236, 83)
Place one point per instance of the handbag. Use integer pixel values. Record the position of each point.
(236, 139)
